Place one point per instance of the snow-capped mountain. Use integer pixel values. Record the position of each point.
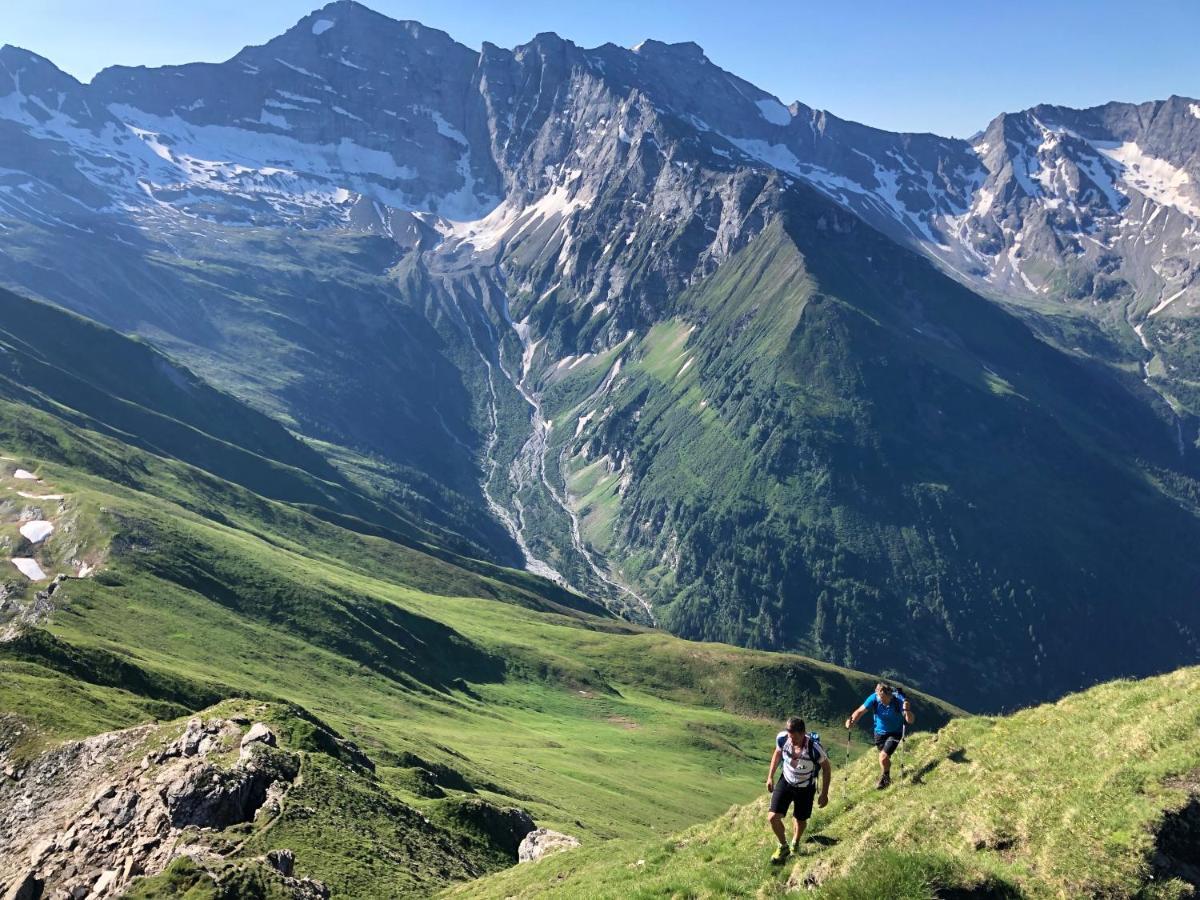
(350, 115)
(624, 318)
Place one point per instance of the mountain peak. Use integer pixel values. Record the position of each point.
(38, 72)
(362, 21)
(685, 50)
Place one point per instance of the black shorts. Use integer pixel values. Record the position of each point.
(888, 742)
(786, 794)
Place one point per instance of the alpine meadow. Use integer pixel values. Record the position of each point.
(430, 471)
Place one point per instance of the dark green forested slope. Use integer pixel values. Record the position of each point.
(832, 446)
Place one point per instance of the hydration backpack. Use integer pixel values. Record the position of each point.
(813, 750)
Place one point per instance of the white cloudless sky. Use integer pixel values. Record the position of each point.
(931, 65)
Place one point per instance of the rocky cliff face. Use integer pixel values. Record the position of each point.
(90, 816)
(623, 318)
(157, 809)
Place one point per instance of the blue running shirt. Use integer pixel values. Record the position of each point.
(888, 719)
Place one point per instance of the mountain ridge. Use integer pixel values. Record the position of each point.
(458, 258)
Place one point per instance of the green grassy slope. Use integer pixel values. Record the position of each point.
(461, 682)
(830, 446)
(1097, 795)
(308, 327)
(54, 360)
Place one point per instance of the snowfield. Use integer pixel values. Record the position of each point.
(29, 568)
(774, 112)
(37, 531)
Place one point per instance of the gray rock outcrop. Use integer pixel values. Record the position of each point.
(86, 818)
(543, 842)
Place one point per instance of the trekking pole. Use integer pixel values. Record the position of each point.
(846, 767)
(900, 749)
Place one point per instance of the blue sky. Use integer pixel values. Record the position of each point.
(946, 67)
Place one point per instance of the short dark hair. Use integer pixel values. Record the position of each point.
(885, 688)
(795, 723)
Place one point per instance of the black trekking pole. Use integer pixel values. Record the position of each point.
(846, 767)
(900, 749)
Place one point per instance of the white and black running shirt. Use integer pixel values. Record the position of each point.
(800, 763)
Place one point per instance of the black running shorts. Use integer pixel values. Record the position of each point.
(888, 742)
(786, 794)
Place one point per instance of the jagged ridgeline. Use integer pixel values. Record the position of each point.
(224, 671)
(910, 404)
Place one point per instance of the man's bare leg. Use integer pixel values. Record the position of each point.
(798, 832)
(776, 821)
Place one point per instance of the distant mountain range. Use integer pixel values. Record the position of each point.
(913, 404)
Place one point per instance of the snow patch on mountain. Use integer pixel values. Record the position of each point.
(322, 25)
(274, 120)
(29, 568)
(1167, 302)
(37, 530)
(510, 219)
(444, 128)
(1155, 178)
(774, 111)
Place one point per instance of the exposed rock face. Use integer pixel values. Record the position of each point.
(139, 797)
(543, 842)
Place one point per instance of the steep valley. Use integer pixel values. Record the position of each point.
(516, 435)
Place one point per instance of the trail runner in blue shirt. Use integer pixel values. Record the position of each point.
(892, 713)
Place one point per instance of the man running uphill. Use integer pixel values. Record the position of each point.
(801, 754)
(892, 713)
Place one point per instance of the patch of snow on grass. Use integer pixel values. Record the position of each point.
(37, 530)
(29, 496)
(29, 568)
(24, 475)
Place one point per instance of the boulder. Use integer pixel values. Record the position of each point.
(107, 879)
(189, 741)
(258, 733)
(282, 861)
(542, 842)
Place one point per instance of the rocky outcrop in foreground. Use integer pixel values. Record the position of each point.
(82, 821)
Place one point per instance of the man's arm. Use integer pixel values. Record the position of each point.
(906, 709)
(775, 757)
(856, 715)
(826, 777)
